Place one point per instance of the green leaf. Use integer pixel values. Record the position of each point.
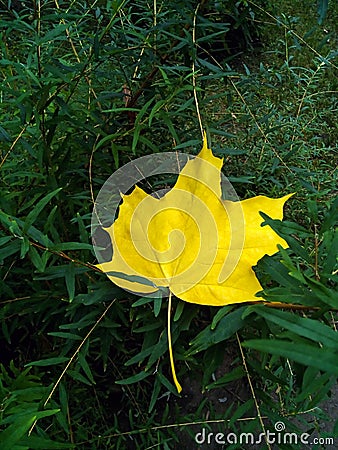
(4, 136)
(241, 410)
(313, 384)
(330, 218)
(309, 328)
(70, 281)
(166, 383)
(24, 246)
(155, 109)
(322, 10)
(293, 270)
(62, 416)
(85, 367)
(306, 354)
(326, 295)
(48, 361)
(157, 306)
(226, 328)
(13, 434)
(179, 311)
(37, 442)
(71, 246)
(52, 35)
(78, 377)
(280, 274)
(134, 379)
(33, 215)
(38, 262)
(138, 124)
(330, 256)
(335, 429)
(132, 278)
(235, 374)
(140, 356)
(220, 314)
(159, 349)
(115, 153)
(63, 335)
(154, 325)
(142, 301)
(10, 249)
(155, 394)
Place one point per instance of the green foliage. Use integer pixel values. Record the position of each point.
(21, 398)
(87, 86)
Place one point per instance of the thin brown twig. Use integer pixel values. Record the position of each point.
(291, 31)
(13, 145)
(194, 84)
(260, 417)
(189, 424)
(73, 357)
(163, 59)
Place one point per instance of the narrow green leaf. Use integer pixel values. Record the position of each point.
(72, 246)
(11, 435)
(235, 374)
(70, 281)
(140, 356)
(166, 383)
(154, 325)
(241, 410)
(160, 348)
(219, 315)
(179, 311)
(4, 136)
(135, 378)
(326, 295)
(38, 262)
(132, 278)
(287, 262)
(306, 354)
(115, 152)
(37, 442)
(309, 328)
(78, 377)
(55, 34)
(32, 216)
(331, 254)
(330, 218)
(157, 306)
(24, 246)
(10, 249)
(226, 328)
(155, 109)
(85, 367)
(48, 361)
(155, 394)
(335, 429)
(313, 384)
(322, 10)
(63, 335)
(142, 301)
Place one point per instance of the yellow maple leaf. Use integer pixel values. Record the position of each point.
(199, 246)
(192, 241)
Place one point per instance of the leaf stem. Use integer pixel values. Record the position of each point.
(177, 384)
